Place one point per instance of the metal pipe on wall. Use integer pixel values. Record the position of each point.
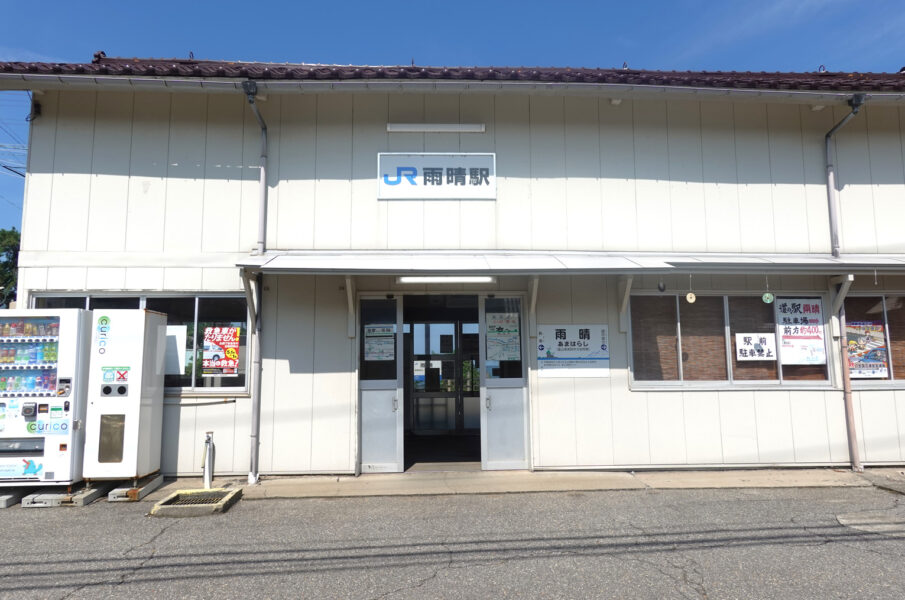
(254, 466)
(251, 91)
(855, 102)
(838, 311)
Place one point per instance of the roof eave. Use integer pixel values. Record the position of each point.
(25, 81)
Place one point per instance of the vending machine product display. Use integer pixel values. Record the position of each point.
(43, 356)
(124, 420)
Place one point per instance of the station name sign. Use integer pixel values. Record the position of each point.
(436, 176)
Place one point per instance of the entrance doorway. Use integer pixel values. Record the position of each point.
(441, 381)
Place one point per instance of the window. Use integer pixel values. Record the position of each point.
(503, 322)
(875, 337)
(215, 358)
(56, 302)
(180, 351)
(378, 340)
(675, 340)
(96, 302)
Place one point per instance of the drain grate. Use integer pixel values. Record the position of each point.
(194, 503)
(198, 498)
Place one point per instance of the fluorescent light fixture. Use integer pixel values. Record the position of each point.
(435, 128)
(446, 279)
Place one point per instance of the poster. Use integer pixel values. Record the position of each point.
(221, 351)
(799, 324)
(867, 354)
(503, 339)
(380, 342)
(755, 346)
(573, 351)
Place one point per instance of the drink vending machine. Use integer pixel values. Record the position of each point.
(43, 356)
(124, 420)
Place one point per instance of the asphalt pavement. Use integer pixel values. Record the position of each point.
(830, 542)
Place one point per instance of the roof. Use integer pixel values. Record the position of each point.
(191, 69)
(500, 262)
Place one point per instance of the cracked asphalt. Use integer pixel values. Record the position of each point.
(751, 543)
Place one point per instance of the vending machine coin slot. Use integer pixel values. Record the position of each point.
(64, 388)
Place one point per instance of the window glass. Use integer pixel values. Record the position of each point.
(750, 314)
(503, 322)
(179, 357)
(654, 339)
(112, 302)
(703, 340)
(60, 302)
(865, 338)
(378, 339)
(220, 354)
(895, 318)
(808, 361)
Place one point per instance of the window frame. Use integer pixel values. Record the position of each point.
(731, 383)
(183, 391)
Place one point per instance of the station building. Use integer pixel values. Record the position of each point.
(517, 268)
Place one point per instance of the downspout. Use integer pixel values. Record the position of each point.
(251, 90)
(855, 102)
(253, 300)
(845, 283)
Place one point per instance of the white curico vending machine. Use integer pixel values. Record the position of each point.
(43, 356)
(124, 421)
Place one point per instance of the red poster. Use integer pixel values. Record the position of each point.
(221, 351)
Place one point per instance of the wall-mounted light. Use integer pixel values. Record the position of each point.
(435, 127)
(446, 279)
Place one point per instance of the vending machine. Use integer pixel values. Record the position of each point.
(124, 420)
(43, 357)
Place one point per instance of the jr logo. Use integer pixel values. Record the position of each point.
(408, 173)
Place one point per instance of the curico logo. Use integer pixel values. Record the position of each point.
(408, 173)
(43, 428)
(103, 330)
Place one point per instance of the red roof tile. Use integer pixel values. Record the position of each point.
(190, 68)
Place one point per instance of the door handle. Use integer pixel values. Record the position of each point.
(395, 403)
(487, 402)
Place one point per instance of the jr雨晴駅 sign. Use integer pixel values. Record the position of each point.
(436, 176)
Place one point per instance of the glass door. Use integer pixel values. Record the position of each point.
(444, 377)
(504, 406)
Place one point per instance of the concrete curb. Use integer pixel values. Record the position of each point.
(508, 482)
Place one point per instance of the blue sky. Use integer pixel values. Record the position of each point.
(757, 35)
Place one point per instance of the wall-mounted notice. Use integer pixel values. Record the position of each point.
(221, 351)
(867, 355)
(799, 323)
(755, 346)
(380, 342)
(436, 176)
(503, 338)
(573, 351)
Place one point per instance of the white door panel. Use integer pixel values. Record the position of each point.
(504, 397)
(381, 438)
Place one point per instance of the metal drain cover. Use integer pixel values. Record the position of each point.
(190, 499)
(195, 503)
